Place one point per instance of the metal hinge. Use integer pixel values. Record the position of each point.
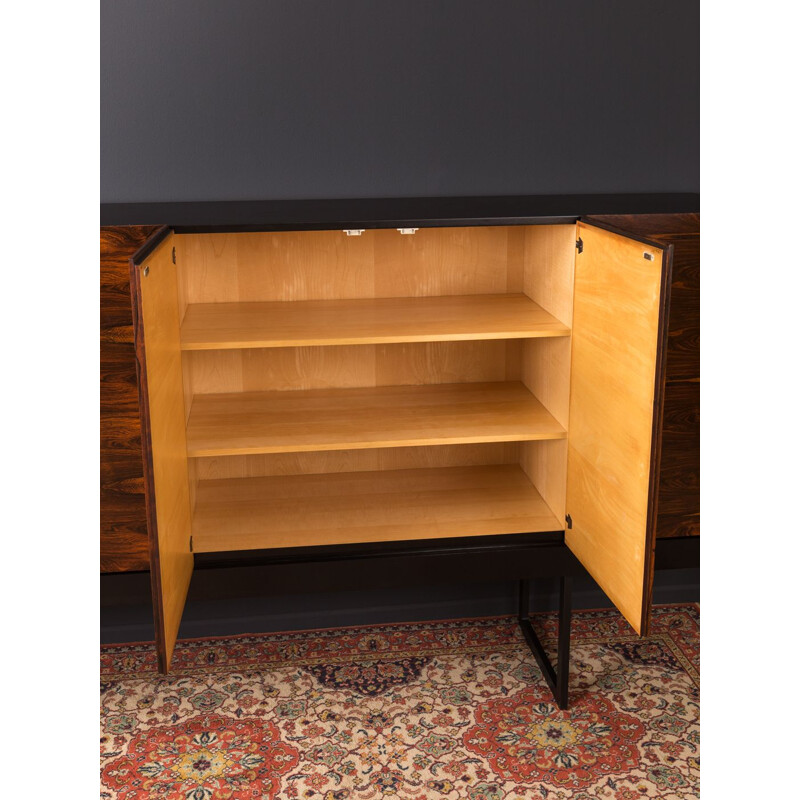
(408, 231)
(191, 544)
(579, 244)
(354, 231)
(569, 522)
(173, 256)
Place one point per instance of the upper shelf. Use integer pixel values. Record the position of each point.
(230, 326)
(355, 419)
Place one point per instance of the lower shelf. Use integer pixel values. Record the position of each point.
(366, 417)
(357, 507)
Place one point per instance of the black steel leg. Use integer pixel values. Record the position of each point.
(558, 678)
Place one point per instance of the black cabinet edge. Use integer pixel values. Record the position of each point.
(151, 244)
(469, 545)
(402, 212)
(671, 553)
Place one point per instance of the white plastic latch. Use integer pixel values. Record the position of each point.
(407, 231)
(354, 231)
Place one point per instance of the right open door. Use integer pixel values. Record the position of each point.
(617, 385)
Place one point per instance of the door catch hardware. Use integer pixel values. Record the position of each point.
(649, 256)
(406, 231)
(354, 231)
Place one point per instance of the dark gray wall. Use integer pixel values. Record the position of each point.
(263, 99)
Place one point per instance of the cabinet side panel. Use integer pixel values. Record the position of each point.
(157, 328)
(549, 275)
(545, 463)
(549, 268)
(616, 366)
(123, 521)
(679, 485)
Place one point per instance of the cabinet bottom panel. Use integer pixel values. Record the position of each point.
(355, 507)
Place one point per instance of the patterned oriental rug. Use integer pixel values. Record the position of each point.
(422, 711)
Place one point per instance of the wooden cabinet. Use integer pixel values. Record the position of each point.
(314, 388)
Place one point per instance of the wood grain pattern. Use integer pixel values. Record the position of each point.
(230, 326)
(615, 360)
(255, 513)
(679, 495)
(157, 339)
(651, 226)
(123, 521)
(327, 265)
(679, 492)
(546, 373)
(545, 464)
(549, 264)
(441, 261)
(384, 416)
(375, 459)
(683, 355)
(549, 277)
(300, 368)
(447, 362)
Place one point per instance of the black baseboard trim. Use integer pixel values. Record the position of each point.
(225, 602)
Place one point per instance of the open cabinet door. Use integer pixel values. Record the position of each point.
(156, 323)
(618, 359)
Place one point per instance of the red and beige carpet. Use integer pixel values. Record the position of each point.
(437, 710)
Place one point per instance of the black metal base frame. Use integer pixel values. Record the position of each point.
(557, 678)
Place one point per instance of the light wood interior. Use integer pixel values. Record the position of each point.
(548, 278)
(375, 377)
(232, 326)
(313, 388)
(173, 506)
(614, 357)
(327, 265)
(385, 416)
(370, 460)
(351, 366)
(338, 508)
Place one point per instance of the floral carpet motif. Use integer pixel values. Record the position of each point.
(453, 710)
(211, 755)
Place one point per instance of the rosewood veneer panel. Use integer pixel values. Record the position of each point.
(123, 524)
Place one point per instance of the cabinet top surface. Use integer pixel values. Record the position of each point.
(390, 212)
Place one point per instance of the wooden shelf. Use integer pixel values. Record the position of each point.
(349, 419)
(352, 507)
(229, 326)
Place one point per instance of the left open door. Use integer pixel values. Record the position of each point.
(156, 325)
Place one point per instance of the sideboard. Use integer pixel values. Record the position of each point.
(459, 308)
